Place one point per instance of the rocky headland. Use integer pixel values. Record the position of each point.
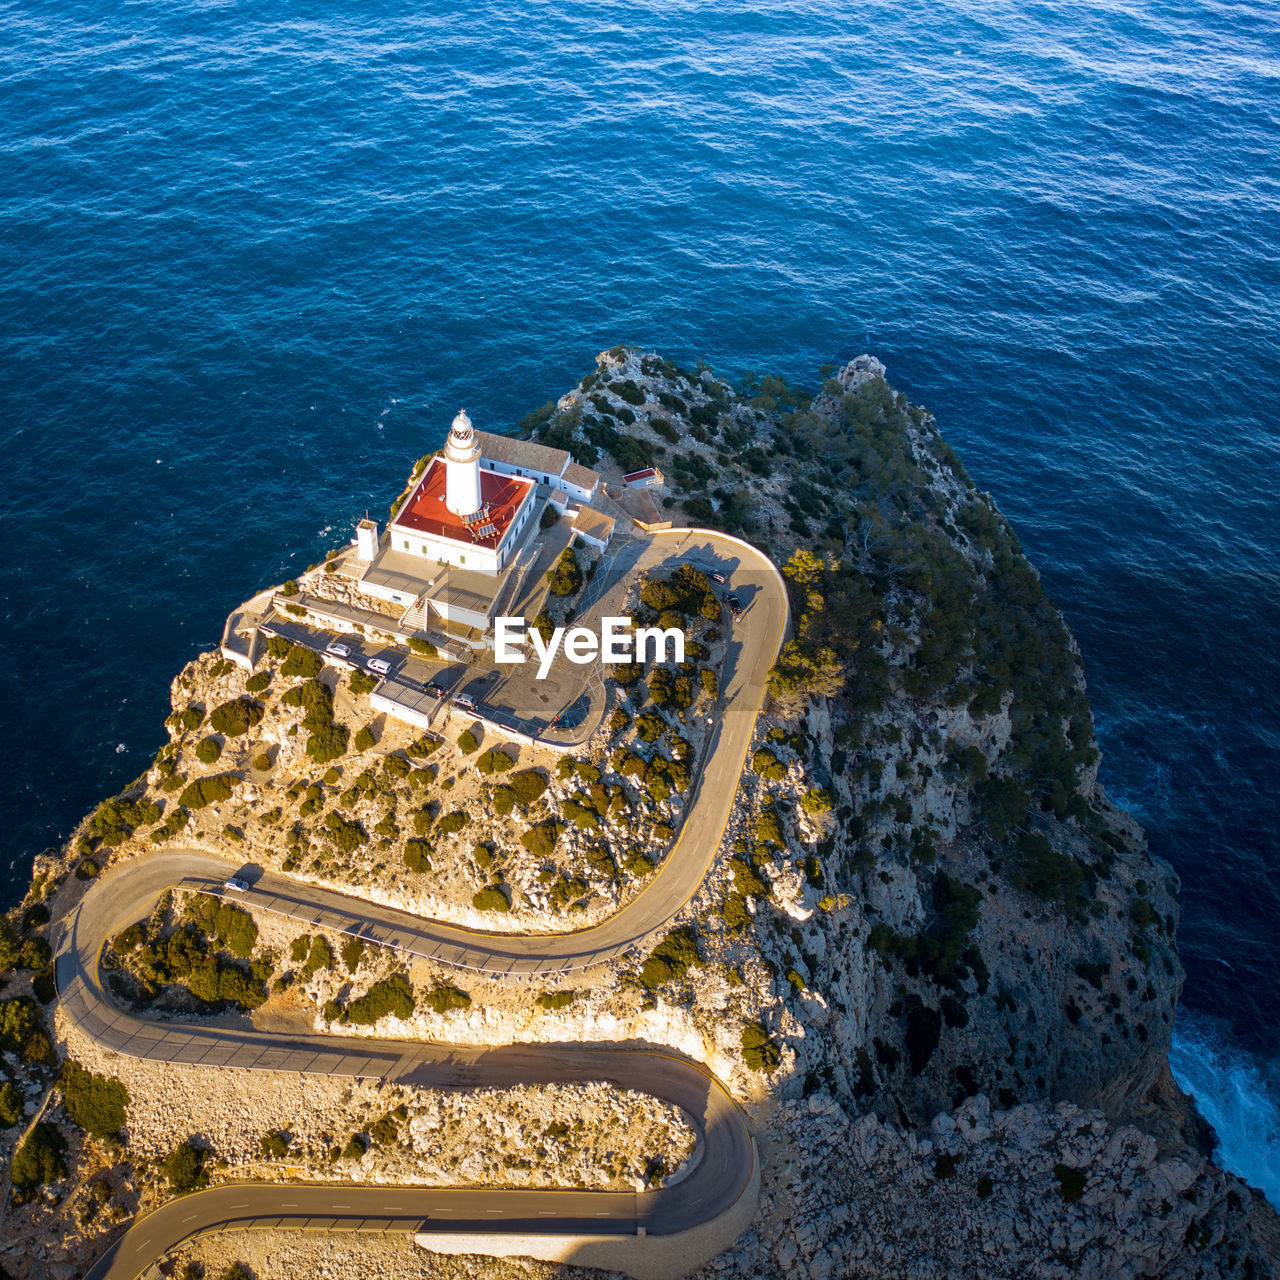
(932, 959)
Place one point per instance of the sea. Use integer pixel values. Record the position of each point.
(253, 256)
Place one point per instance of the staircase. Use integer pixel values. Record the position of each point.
(417, 615)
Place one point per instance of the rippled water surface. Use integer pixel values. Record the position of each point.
(252, 256)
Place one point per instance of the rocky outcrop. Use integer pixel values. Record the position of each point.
(931, 956)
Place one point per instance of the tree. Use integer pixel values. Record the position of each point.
(566, 578)
(96, 1103)
(671, 959)
(184, 1168)
(10, 1105)
(41, 1158)
(759, 1052)
(237, 716)
(816, 801)
(392, 997)
(492, 898)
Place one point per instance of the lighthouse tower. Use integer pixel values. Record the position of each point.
(462, 458)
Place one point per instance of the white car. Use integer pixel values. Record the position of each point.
(465, 701)
(236, 886)
(379, 665)
(338, 650)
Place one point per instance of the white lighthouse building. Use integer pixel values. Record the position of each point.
(468, 519)
(462, 460)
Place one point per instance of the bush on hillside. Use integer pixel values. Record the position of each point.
(207, 791)
(392, 997)
(566, 578)
(184, 1168)
(236, 717)
(671, 959)
(444, 998)
(40, 1160)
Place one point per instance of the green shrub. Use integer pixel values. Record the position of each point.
(257, 682)
(491, 898)
(768, 766)
(453, 822)
(262, 761)
(419, 645)
(365, 740)
(10, 1105)
(671, 959)
(96, 1103)
(352, 952)
(444, 999)
(495, 760)
(355, 1148)
(184, 1168)
(114, 821)
(40, 1160)
(566, 578)
(468, 742)
(361, 682)
(86, 869)
(816, 801)
(236, 717)
(208, 750)
(759, 1052)
(392, 997)
(191, 718)
(527, 785)
(541, 838)
(347, 836)
(417, 856)
(207, 791)
(319, 957)
(301, 661)
(769, 826)
(628, 391)
(233, 926)
(22, 1030)
(556, 999)
(328, 742)
(650, 726)
(274, 1144)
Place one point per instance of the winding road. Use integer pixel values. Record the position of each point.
(725, 1164)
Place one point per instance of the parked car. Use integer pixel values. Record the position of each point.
(434, 688)
(380, 666)
(734, 603)
(465, 701)
(337, 650)
(236, 886)
(718, 577)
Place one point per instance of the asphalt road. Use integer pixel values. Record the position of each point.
(726, 1156)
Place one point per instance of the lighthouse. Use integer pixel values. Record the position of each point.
(462, 458)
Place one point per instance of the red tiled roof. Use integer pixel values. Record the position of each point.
(426, 512)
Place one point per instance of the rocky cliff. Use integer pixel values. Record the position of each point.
(933, 959)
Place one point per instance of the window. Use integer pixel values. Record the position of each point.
(462, 559)
(406, 544)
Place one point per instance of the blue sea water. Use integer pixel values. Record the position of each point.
(252, 256)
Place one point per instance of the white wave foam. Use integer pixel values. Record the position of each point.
(1237, 1094)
